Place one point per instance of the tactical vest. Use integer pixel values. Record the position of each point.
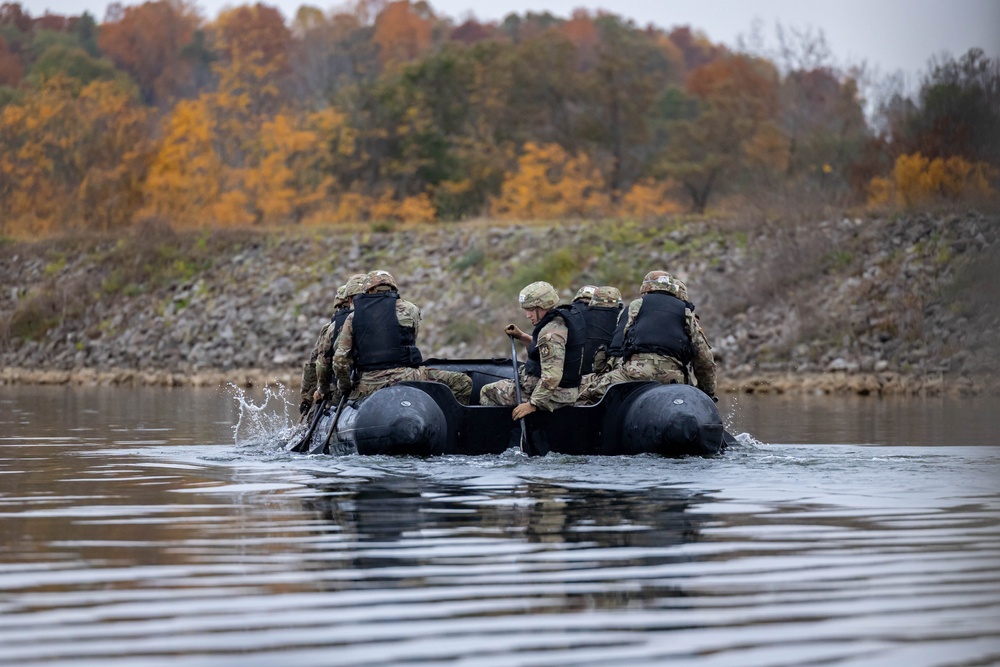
(575, 341)
(616, 347)
(380, 341)
(337, 320)
(601, 322)
(659, 328)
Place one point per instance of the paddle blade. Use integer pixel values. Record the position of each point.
(297, 444)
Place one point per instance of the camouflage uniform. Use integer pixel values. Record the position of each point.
(657, 367)
(322, 366)
(543, 392)
(308, 384)
(606, 296)
(408, 315)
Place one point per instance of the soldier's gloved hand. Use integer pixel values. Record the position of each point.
(305, 405)
(344, 386)
(512, 330)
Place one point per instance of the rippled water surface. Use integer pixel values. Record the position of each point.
(139, 529)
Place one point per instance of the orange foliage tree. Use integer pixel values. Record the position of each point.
(733, 133)
(403, 31)
(148, 41)
(71, 156)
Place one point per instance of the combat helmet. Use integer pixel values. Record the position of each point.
(355, 285)
(585, 293)
(539, 295)
(340, 300)
(606, 297)
(378, 278)
(661, 281)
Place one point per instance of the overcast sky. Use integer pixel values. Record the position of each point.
(892, 35)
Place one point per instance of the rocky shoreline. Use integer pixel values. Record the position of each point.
(834, 383)
(869, 305)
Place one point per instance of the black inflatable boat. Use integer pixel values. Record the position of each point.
(424, 419)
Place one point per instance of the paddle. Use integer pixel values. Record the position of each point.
(325, 449)
(526, 447)
(299, 445)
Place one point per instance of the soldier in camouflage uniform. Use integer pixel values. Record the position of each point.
(308, 384)
(662, 338)
(380, 339)
(323, 363)
(606, 297)
(550, 379)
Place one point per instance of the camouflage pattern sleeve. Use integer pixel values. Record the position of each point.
(552, 354)
(633, 311)
(309, 375)
(324, 357)
(408, 315)
(342, 357)
(702, 359)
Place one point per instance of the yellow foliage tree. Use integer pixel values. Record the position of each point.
(283, 184)
(203, 173)
(550, 184)
(650, 199)
(71, 156)
(917, 179)
(186, 177)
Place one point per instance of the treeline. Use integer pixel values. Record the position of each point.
(385, 111)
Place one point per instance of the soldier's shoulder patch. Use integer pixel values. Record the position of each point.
(544, 349)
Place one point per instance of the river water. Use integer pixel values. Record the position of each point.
(139, 528)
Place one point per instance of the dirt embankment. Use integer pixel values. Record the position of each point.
(868, 305)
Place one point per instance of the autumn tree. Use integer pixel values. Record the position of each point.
(958, 112)
(72, 155)
(822, 117)
(629, 72)
(403, 31)
(732, 133)
(332, 55)
(550, 184)
(11, 69)
(253, 43)
(149, 41)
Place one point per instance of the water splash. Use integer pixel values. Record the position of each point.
(267, 424)
(728, 420)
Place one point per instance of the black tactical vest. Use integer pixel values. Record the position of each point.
(616, 347)
(338, 320)
(601, 322)
(659, 328)
(380, 342)
(575, 341)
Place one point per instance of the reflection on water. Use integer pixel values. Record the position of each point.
(134, 532)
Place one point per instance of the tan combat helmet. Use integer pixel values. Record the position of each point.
(355, 285)
(340, 300)
(661, 281)
(585, 293)
(539, 295)
(606, 297)
(379, 278)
